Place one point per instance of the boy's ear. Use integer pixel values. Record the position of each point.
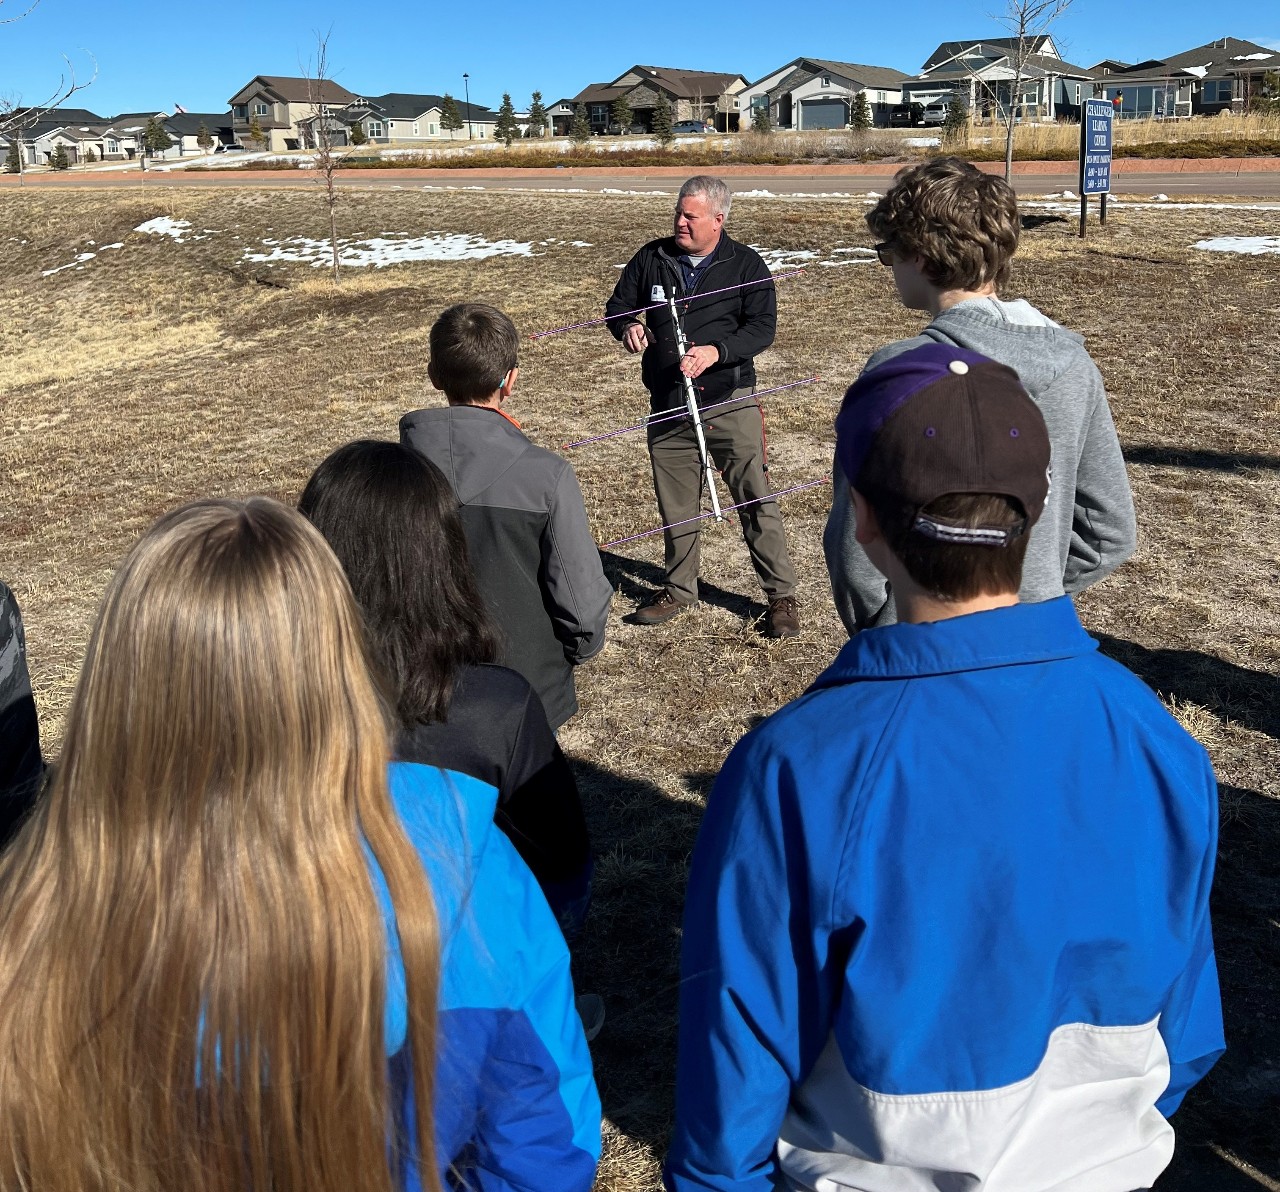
(431, 376)
(509, 382)
(866, 528)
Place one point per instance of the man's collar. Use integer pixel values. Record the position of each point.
(1024, 633)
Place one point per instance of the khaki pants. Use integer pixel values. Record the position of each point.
(735, 442)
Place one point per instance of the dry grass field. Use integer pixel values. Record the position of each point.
(160, 370)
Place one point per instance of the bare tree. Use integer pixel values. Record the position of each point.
(1027, 22)
(17, 117)
(327, 161)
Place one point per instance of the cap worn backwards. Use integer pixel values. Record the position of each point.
(938, 420)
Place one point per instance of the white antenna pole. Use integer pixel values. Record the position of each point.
(691, 401)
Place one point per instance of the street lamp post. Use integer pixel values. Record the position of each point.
(467, 86)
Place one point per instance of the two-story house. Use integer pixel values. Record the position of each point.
(277, 104)
(691, 94)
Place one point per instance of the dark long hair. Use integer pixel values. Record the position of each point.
(392, 520)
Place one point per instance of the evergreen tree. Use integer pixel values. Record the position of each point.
(203, 139)
(450, 117)
(622, 113)
(956, 125)
(257, 134)
(537, 117)
(662, 121)
(505, 127)
(762, 118)
(89, 154)
(58, 160)
(13, 163)
(860, 112)
(358, 134)
(154, 138)
(580, 129)
(1267, 97)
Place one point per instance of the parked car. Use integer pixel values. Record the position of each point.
(228, 147)
(934, 113)
(697, 127)
(905, 115)
(631, 130)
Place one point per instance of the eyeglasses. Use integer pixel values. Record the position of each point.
(883, 252)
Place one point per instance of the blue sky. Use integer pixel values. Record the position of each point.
(154, 55)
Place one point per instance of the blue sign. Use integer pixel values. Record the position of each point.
(1096, 120)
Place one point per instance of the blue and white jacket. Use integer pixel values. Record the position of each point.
(948, 924)
(516, 1108)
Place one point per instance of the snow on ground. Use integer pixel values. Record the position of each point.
(781, 259)
(78, 263)
(922, 142)
(380, 251)
(163, 225)
(1254, 246)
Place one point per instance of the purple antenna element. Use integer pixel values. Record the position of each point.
(686, 299)
(703, 516)
(654, 419)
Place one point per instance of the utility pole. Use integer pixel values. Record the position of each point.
(467, 88)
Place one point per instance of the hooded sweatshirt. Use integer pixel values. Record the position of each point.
(529, 541)
(1088, 526)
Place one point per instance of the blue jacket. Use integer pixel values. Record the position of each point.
(948, 924)
(516, 1107)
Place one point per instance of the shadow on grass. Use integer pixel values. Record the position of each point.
(637, 579)
(630, 952)
(1237, 1105)
(1250, 698)
(1213, 461)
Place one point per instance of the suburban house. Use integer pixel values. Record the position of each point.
(119, 139)
(278, 103)
(810, 93)
(400, 118)
(692, 94)
(1219, 77)
(37, 132)
(981, 74)
(184, 128)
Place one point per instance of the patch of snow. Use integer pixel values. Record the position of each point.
(163, 225)
(874, 194)
(1161, 198)
(608, 190)
(380, 251)
(779, 259)
(1254, 246)
(838, 264)
(1252, 57)
(78, 263)
(105, 247)
(580, 243)
(922, 142)
(870, 252)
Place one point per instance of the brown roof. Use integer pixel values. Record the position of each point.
(298, 90)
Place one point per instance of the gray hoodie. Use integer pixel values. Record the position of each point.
(1088, 527)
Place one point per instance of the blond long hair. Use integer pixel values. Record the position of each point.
(192, 953)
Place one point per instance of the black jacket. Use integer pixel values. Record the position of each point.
(740, 323)
(497, 731)
(21, 765)
(530, 544)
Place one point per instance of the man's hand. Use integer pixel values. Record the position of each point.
(636, 338)
(696, 361)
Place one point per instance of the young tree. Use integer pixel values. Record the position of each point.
(13, 163)
(58, 160)
(1266, 99)
(662, 122)
(762, 119)
(621, 113)
(318, 80)
(89, 154)
(860, 112)
(956, 126)
(537, 117)
(358, 134)
(505, 127)
(580, 129)
(257, 134)
(203, 138)
(450, 117)
(154, 138)
(1027, 21)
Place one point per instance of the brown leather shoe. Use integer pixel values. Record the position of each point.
(782, 619)
(658, 607)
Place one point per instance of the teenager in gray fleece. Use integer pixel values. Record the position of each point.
(949, 233)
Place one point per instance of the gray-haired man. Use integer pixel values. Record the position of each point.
(724, 332)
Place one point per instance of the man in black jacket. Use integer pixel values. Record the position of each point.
(724, 332)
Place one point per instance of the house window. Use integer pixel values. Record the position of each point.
(375, 128)
(599, 113)
(390, 125)
(1077, 95)
(1216, 91)
(759, 103)
(262, 109)
(113, 146)
(415, 128)
(431, 128)
(826, 80)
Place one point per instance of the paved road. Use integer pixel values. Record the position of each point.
(1238, 186)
